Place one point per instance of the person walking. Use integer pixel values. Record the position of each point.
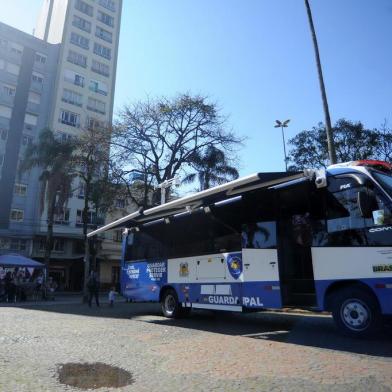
(93, 288)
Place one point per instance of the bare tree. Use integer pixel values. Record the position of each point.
(160, 137)
(91, 163)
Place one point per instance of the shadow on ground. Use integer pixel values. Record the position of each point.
(311, 329)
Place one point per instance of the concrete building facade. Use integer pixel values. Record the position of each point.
(28, 69)
(79, 39)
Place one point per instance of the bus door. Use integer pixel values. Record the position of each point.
(261, 286)
(296, 215)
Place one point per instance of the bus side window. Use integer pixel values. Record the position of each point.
(259, 235)
(129, 247)
(381, 214)
(343, 210)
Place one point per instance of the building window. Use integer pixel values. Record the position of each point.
(100, 68)
(102, 51)
(58, 245)
(31, 119)
(74, 78)
(16, 215)
(40, 58)
(16, 49)
(96, 106)
(84, 7)
(12, 69)
(77, 58)
(27, 140)
(98, 87)
(34, 98)
(16, 244)
(91, 217)
(120, 203)
(105, 18)
(9, 90)
(103, 34)
(5, 111)
(79, 40)
(108, 4)
(3, 43)
(81, 24)
(1, 159)
(93, 123)
(3, 134)
(63, 136)
(81, 190)
(117, 236)
(20, 189)
(72, 97)
(37, 77)
(69, 118)
(62, 217)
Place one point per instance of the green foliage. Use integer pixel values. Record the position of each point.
(212, 168)
(352, 142)
(55, 159)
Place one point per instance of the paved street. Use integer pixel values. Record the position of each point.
(214, 352)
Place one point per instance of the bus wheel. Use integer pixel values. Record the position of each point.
(356, 312)
(171, 308)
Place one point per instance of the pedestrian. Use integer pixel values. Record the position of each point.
(93, 288)
(112, 296)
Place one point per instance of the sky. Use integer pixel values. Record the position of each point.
(255, 59)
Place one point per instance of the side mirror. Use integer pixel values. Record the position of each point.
(367, 203)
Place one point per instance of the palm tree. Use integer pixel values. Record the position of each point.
(328, 126)
(212, 168)
(54, 158)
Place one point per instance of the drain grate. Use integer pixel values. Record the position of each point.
(93, 375)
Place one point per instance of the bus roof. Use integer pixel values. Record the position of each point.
(206, 198)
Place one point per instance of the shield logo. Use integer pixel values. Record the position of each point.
(234, 264)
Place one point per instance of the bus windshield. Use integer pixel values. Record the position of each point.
(385, 180)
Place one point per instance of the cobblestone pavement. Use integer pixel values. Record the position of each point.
(206, 352)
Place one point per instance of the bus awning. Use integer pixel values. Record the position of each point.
(205, 198)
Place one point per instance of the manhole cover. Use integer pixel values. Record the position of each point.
(93, 375)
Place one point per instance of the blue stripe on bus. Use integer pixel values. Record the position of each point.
(248, 294)
(377, 285)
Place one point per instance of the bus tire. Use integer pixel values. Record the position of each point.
(356, 312)
(170, 306)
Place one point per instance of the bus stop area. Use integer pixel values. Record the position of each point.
(266, 351)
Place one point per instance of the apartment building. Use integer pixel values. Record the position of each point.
(78, 44)
(28, 68)
(88, 32)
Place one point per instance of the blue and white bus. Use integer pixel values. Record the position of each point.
(312, 239)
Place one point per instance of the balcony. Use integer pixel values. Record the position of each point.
(7, 99)
(32, 107)
(36, 86)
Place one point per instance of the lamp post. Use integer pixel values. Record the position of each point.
(283, 124)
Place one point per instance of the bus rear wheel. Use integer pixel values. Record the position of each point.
(170, 306)
(356, 312)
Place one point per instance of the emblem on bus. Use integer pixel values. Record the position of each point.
(184, 269)
(234, 264)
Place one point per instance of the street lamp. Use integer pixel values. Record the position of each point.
(283, 124)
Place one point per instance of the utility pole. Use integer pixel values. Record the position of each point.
(328, 126)
(283, 124)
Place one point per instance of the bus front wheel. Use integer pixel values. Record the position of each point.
(356, 312)
(171, 308)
